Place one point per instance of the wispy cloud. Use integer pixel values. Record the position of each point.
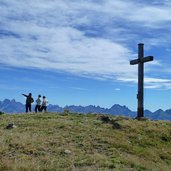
(117, 89)
(79, 88)
(87, 38)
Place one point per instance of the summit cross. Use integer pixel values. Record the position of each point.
(140, 61)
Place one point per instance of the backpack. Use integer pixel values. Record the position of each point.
(29, 100)
(32, 100)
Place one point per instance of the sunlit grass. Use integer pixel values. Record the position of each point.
(83, 142)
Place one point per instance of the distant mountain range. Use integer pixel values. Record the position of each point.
(11, 106)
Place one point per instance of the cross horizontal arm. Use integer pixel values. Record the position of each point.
(147, 59)
(135, 61)
(141, 60)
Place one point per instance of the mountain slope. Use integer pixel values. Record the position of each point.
(11, 106)
(83, 142)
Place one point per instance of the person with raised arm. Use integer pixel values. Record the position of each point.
(29, 101)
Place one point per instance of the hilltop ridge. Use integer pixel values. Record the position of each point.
(67, 141)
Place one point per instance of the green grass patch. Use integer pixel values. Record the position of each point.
(67, 141)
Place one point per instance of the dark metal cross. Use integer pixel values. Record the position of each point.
(140, 61)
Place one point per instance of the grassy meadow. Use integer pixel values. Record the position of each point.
(77, 142)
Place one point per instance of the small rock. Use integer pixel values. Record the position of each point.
(11, 125)
(105, 119)
(67, 151)
(116, 125)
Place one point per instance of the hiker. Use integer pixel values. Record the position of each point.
(38, 104)
(29, 101)
(44, 104)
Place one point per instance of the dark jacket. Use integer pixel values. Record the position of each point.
(29, 99)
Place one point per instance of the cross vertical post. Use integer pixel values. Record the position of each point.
(140, 95)
(140, 61)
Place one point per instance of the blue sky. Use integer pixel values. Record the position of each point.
(78, 52)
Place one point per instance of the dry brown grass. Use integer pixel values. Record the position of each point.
(83, 142)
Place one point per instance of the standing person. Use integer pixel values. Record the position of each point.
(38, 104)
(44, 104)
(29, 101)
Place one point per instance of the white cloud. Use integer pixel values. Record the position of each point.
(159, 86)
(79, 88)
(152, 86)
(156, 80)
(149, 83)
(67, 49)
(117, 89)
(157, 83)
(53, 35)
(152, 15)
